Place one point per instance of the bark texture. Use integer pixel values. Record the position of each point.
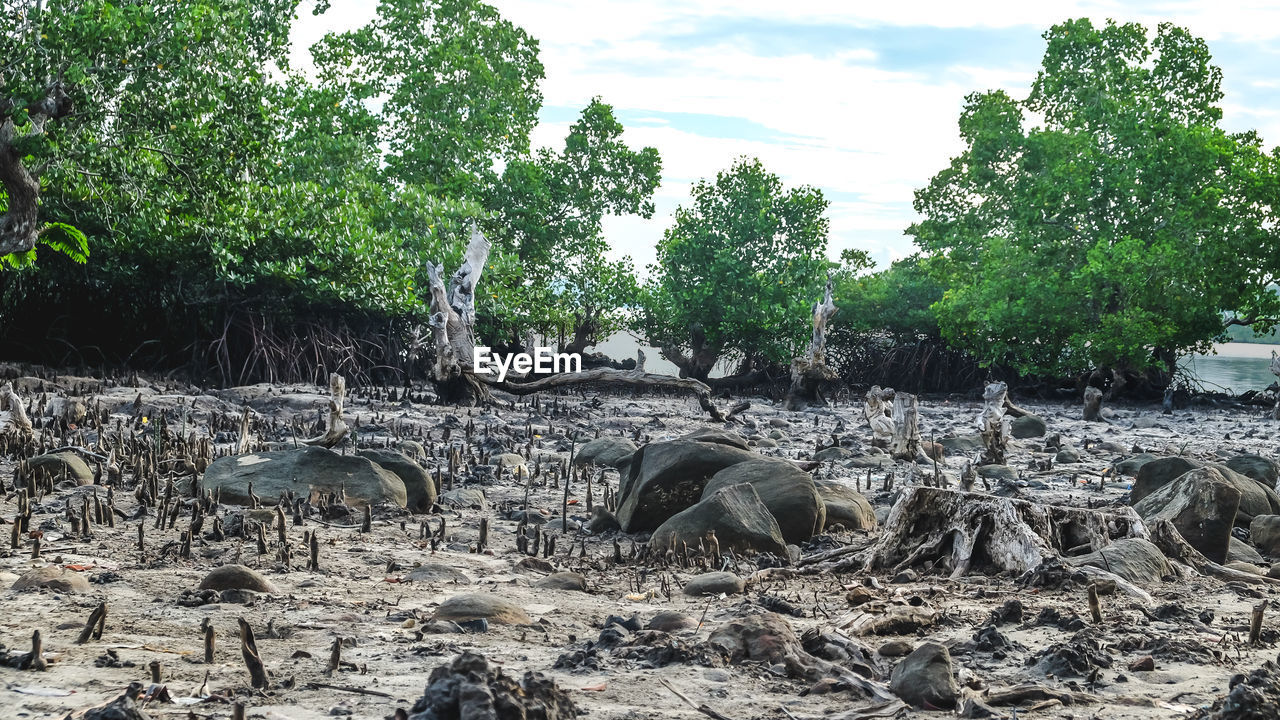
(810, 370)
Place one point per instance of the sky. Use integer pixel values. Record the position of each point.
(857, 98)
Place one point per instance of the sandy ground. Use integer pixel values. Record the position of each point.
(358, 595)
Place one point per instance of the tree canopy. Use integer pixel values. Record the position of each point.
(1107, 219)
(737, 271)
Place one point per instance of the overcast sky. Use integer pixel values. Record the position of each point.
(857, 98)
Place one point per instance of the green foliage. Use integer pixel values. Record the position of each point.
(738, 271)
(456, 87)
(548, 211)
(1116, 232)
(895, 304)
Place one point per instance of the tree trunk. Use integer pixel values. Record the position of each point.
(809, 371)
(10, 401)
(20, 222)
(701, 359)
(453, 317)
(337, 429)
(876, 411)
(962, 532)
(992, 426)
(906, 427)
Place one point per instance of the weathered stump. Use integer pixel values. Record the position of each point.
(964, 531)
(810, 370)
(1092, 404)
(876, 410)
(906, 426)
(337, 429)
(992, 425)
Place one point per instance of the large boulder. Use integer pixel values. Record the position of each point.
(666, 477)
(64, 469)
(925, 678)
(1262, 469)
(845, 506)
(736, 514)
(52, 577)
(785, 489)
(1202, 505)
(609, 450)
(476, 606)
(1264, 531)
(236, 577)
(1255, 498)
(302, 471)
(1134, 559)
(714, 583)
(419, 487)
(1028, 426)
(1241, 551)
(1131, 465)
(760, 637)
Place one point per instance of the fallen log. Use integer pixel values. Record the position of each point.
(635, 378)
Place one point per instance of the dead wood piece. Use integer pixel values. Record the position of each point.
(93, 628)
(956, 528)
(609, 375)
(1034, 692)
(1092, 404)
(906, 426)
(17, 414)
(702, 708)
(249, 651)
(876, 410)
(337, 429)
(810, 370)
(992, 426)
(897, 621)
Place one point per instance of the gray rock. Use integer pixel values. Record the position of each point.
(1264, 531)
(736, 514)
(437, 573)
(1241, 551)
(563, 580)
(961, 444)
(609, 450)
(1134, 559)
(1255, 498)
(466, 497)
(64, 469)
(785, 489)
(472, 606)
(925, 678)
(419, 487)
(997, 472)
(1028, 426)
(236, 577)
(715, 583)
(716, 435)
(832, 453)
(1202, 505)
(845, 506)
(1261, 469)
(302, 471)
(53, 578)
(670, 621)
(1067, 456)
(665, 478)
(602, 521)
(1131, 465)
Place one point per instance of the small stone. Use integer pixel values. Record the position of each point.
(715, 583)
(895, 648)
(906, 576)
(858, 596)
(1144, 663)
(925, 678)
(563, 581)
(471, 606)
(670, 621)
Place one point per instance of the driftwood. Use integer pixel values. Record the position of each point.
(992, 425)
(876, 410)
(1092, 404)
(906, 426)
(1275, 370)
(635, 378)
(17, 414)
(337, 429)
(810, 370)
(959, 529)
(1177, 549)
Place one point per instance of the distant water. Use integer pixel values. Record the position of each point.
(1236, 368)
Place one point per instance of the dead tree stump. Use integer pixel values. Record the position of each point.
(906, 426)
(810, 370)
(1092, 404)
(876, 410)
(17, 414)
(992, 426)
(962, 531)
(337, 429)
